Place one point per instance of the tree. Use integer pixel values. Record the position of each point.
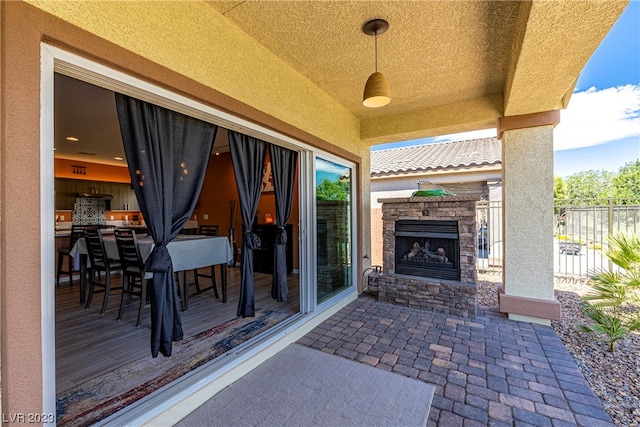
(589, 184)
(626, 184)
(337, 190)
(559, 188)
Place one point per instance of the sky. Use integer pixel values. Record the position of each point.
(329, 170)
(600, 129)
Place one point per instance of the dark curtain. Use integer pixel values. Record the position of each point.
(167, 154)
(283, 165)
(247, 156)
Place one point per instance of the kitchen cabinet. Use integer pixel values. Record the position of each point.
(66, 191)
(263, 256)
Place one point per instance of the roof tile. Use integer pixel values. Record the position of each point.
(444, 155)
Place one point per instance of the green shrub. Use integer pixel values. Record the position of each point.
(613, 303)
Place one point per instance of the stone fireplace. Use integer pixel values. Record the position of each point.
(430, 252)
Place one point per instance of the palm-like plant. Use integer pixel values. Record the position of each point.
(613, 301)
(605, 323)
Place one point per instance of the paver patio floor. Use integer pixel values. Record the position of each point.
(487, 371)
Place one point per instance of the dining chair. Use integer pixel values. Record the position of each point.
(207, 230)
(133, 281)
(100, 263)
(77, 231)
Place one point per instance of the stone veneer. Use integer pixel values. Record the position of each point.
(441, 296)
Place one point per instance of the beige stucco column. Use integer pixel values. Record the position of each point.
(527, 196)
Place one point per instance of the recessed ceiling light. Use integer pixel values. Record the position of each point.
(72, 139)
(118, 158)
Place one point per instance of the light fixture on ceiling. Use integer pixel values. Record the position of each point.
(118, 158)
(72, 139)
(376, 91)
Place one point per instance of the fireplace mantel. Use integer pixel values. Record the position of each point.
(447, 199)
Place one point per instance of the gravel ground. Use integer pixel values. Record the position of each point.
(614, 377)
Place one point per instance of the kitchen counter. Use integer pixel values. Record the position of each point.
(191, 227)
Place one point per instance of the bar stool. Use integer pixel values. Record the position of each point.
(100, 263)
(133, 281)
(207, 230)
(77, 232)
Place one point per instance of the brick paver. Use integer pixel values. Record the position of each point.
(486, 371)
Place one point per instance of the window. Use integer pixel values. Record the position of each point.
(334, 228)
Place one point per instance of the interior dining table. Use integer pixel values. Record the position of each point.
(188, 252)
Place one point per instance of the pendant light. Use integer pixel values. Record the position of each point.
(376, 91)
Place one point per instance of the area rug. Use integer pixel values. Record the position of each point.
(102, 396)
(305, 387)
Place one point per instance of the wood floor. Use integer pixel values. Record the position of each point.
(89, 344)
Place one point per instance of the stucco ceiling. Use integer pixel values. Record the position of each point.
(453, 66)
(433, 52)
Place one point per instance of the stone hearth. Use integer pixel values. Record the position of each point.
(457, 297)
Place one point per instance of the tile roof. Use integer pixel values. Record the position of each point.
(444, 155)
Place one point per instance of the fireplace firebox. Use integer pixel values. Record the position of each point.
(427, 248)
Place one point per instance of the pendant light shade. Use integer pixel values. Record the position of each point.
(376, 92)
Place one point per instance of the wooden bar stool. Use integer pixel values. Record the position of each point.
(207, 230)
(133, 281)
(100, 263)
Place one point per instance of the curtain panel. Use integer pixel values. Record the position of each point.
(247, 156)
(283, 164)
(167, 155)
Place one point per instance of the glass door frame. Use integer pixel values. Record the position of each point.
(353, 287)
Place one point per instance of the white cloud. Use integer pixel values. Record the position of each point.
(594, 117)
(599, 116)
(330, 167)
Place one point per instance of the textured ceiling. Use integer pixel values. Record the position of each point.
(453, 66)
(433, 53)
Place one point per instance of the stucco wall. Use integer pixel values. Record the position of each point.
(202, 45)
(194, 40)
(528, 212)
(189, 49)
(19, 219)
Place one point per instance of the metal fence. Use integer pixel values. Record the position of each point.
(580, 236)
(489, 226)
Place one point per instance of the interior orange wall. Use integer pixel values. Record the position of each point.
(219, 188)
(94, 171)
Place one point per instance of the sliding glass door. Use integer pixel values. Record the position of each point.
(333, 227)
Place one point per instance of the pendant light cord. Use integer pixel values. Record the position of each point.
(376, 45)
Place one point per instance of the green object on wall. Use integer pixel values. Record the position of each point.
(432, 193)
